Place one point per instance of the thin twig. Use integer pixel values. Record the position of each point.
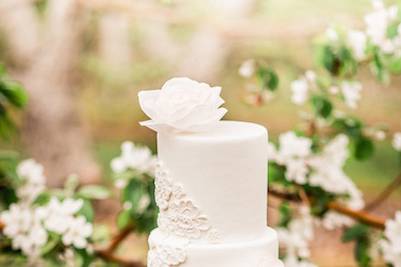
(359, 215)
(119, 237)
(384, 194)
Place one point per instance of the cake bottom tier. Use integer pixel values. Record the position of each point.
(168, 251)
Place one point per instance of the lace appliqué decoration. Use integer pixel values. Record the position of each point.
(178, 216)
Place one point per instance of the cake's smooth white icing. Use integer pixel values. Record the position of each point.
(211, 188)
(224, 171)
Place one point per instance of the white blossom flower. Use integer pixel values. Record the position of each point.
(58, 215)
(247, 68)
(33, 180)
(391, 246)
(377, 23)
(299, 89)
(327, 171)
(296, 237)
(310, 76)
(380, 135)
(133, 157)
(334, 90)
(331, 34)
(293, 150)
(296, 171)
(23, 226)
(292, 145)
(351, 92)
(333, 220)
(397, 141)
(182, 105)
(357, 41)
(77, 233)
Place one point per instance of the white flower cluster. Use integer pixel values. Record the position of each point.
(333, 220)
(397, 141)
(377, 32)
(28, 225)
(300, 88)
(377, 25)
(391, 245)
(133, 157)
(33, 180)
(323, 169)
(296, 237)
(351, 92)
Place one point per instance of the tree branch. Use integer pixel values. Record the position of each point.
(110, 257)
(384, 194)
(107, 254)
(359, 215)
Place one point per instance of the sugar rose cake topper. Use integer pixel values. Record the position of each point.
(182, 105)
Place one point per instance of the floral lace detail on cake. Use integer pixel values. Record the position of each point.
(166, 256)
(178, 213)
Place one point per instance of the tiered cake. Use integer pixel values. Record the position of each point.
(211, 184)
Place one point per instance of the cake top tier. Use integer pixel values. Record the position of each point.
(225, 131)
(182, 105)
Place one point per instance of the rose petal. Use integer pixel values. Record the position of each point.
(147, 101)
(157, 127)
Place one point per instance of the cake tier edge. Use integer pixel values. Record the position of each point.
(176, 252)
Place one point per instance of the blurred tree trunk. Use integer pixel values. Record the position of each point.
(52, 131)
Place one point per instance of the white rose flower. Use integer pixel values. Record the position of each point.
(397, 141)
(182, 105)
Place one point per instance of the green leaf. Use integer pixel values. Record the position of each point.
(276, 174)
(377, 67)
(123, 219)
(87, 210)
(360, 234)
(71, 184)
(13, 92)
(94, 192)
(321, 106)
(285, 214)
(362, 147)
(394, 65)
(350, 126)
(328, 59)
(42, 199)
(392, 30)
(133, 192)
(52, 242)
(268, 78)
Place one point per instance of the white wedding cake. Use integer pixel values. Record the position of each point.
(211, 182)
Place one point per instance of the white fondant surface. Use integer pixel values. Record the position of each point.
(224, 171)
(261, 252)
